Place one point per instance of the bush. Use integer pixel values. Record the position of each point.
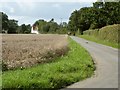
(109, 33)
(93, 32)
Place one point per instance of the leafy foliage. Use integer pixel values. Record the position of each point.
(95, 17)
(4, 21)
(11, 26)
(51, 26)
(24, 29)
(109, 33)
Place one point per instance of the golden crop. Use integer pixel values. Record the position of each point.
(20, 51)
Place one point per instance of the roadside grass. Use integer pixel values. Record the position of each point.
(0, 79)
(97, 40)
(75, 66)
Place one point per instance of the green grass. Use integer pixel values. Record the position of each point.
(0, 78)
(76, 65)
(97, 40)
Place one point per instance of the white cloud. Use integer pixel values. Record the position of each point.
(48, 0)
(56, 5)
(24, 19)
(31, 20)
(16, 17)
(25, 5)
(55, 0)
(12, 10)
(29, 12)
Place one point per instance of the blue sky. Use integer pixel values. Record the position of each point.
(28, 12)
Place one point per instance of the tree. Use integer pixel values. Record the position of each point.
(25, 28)
(101, 14)
(5, 22)
(112, 11)
(52, 20)
(73, 24)
(13, 25)
(53, 27)
(65, 24)
(41, 25)
(79, 20)
(47, 27)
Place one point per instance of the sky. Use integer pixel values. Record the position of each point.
(29, 11)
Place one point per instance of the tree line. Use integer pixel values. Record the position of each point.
(51, 26)
(99, 15)
(11, 26)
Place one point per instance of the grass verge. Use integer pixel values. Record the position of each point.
(104, 42)
(76, 65)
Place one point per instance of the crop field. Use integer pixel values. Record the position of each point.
(20, 51)
(72, 67)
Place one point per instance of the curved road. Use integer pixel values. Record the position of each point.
(106, 59)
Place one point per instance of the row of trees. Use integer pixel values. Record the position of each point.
(95, 17)
(101, 14)
(11, 26)
(51, 26)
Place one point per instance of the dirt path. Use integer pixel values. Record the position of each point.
(106, 59)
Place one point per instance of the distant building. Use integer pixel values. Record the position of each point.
(34, 29)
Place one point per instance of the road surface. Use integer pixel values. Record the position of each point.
(106, 59)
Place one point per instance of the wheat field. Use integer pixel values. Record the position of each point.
(26, 50)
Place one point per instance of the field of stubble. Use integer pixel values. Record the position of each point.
(20, 51)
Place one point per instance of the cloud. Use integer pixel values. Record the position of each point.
(56, 5)
(48, 0)
(16, 17)
(23, 19)
(29, 12)
(12, 10)
(25, 5)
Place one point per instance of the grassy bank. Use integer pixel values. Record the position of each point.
(76, 65)
(97, 40)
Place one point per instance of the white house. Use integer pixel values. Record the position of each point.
(34, 29)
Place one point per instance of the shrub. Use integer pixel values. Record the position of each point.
(109, 33)
(93, 32)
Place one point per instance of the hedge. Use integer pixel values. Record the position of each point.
(91, 32)
(109, 33)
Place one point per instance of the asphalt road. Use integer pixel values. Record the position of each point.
(106, 59)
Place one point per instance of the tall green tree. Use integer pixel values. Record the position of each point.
(25, 29)
(73, 22)
(5, 21)
(13, 25)
(53, 27)
(101, 14)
